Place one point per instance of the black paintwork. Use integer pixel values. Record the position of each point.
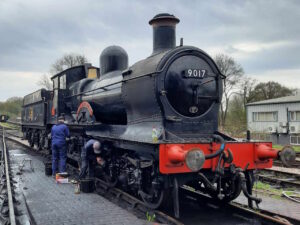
(34, 111)
(113, 58)
(134, 110)
(164, 32)
(152, 97)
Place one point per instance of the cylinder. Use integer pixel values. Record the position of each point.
(164, 32)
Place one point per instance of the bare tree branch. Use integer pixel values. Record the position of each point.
(233, 72)
(67, 61)
(61, 64)
(45, 82)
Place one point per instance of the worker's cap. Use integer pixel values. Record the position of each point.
(61, 118)
(96, 147)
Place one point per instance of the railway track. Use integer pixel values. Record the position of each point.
(129, 202)
(296, 164)
(8, 180)
(280, 178)
(124, 199)
(248, 216)
(13, 208)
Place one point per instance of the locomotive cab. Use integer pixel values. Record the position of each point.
(62, 88)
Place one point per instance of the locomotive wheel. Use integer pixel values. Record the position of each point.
(110, 176)
(153, 199)
(31, 143)
(39, 144)
(112, 182)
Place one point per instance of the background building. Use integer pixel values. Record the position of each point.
(276, 120)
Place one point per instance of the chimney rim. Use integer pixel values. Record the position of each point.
(163, 17)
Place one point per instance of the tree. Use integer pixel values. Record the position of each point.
(236, 122)
(268, 90)
(67, 61)
(45, 82)
(12, 107)
(246, 87)
(233, 72)
(61, 64)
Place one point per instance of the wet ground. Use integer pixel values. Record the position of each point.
(192, 212)
(52, 203)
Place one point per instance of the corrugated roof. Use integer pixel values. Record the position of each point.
(287, 99)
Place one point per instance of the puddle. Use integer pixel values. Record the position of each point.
(18, 154)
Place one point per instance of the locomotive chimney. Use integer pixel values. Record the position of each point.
(164, 32)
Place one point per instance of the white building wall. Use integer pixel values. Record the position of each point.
(263, 127)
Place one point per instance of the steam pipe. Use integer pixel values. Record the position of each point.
(221, 149)
(245, 190)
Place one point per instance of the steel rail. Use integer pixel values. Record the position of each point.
(161, 217)
(296, 164)
(12, 217)
(277, 181)
(283, 178)
(263, 214)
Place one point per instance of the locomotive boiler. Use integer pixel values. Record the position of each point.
(157, 121)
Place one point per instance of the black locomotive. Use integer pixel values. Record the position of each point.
(158, 121)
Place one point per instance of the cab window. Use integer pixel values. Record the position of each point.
(55, 83)
(63, 82)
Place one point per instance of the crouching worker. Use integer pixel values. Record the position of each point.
(90, 155)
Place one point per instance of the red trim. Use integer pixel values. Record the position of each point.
(265, 152)
(258, 155)
(87, 106)
(53, 111)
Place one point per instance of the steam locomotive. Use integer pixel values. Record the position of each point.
(157, 121)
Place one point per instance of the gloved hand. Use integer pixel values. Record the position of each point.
(100, 161)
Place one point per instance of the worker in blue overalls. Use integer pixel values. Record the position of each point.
(59, 133)
(90, 155)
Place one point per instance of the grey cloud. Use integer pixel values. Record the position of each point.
(273, 59)
(38, 32)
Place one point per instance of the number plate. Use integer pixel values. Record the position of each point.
(195, 73)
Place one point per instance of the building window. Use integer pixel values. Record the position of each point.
(265, 116)
(295, 116)
(295, 140)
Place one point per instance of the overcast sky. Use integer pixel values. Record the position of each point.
(263, 36)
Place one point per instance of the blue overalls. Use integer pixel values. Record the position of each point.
(59, 133)
(88, 159)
